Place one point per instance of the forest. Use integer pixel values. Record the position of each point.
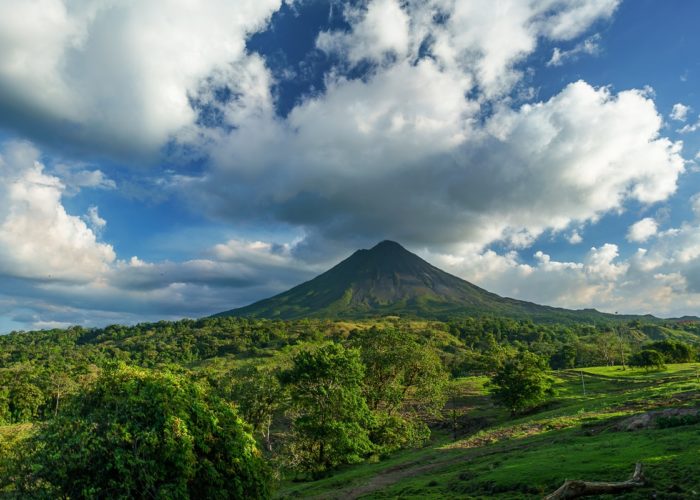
(252, 408)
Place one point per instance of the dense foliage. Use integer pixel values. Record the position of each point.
(404, 385)
(330, 417)
(522, 382)
(136, 433)
(649, 359)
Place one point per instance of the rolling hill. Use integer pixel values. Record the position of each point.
(389, 280)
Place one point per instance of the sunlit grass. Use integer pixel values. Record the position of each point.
(529, 456)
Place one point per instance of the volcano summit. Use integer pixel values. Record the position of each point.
(389, 280)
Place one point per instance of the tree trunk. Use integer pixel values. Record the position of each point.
(268, 443)
(576, 489)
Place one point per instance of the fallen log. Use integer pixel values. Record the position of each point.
(577, 488)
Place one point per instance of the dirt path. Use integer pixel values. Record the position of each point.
(396, 473)
(390, 476)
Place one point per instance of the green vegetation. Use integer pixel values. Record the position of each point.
(331, 419)
(138, 434)
(240, 407)
(650, 359)
(575, 437)
(522, 382)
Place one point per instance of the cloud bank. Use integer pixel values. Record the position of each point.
(424, 131)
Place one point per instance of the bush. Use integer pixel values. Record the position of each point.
(649, 359)
(143, 434)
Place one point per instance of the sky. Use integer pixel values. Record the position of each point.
(168, 158)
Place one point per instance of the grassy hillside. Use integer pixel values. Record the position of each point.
(574, 437)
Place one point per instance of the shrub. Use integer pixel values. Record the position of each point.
(649, 359)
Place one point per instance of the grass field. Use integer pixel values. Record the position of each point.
(575, 436)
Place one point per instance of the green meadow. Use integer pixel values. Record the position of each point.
(575, 436)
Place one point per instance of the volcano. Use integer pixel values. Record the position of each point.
(389, 280)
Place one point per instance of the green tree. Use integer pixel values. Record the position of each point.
(330, 415)
(649, 359)
(25, 401)
(258, 394)
(522, 382)
(5, 416)
(565, 357)
(673, 351)
(404, 384)
(142, 434)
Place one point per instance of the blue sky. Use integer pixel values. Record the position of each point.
(166, 159)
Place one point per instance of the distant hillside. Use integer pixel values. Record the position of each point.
(390, 280)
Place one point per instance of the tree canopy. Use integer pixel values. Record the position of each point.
(522, 382)
(330, 415)
(142, 434)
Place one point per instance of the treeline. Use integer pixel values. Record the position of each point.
(38, 369)
(489, 339)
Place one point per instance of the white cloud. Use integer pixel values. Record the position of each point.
(575, 238)
(38, 238)
(480, 39)
(650, 281)
(378, 30)
(663, 279)
(679, 112)
(54, 269)
(589, 46)
(601, 263)
(689, 127)
(77, 177)
(581, 154)
(571, 18)
(642, 230)
(93, 219)
(116, 75)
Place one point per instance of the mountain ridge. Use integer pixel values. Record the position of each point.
(390, 280)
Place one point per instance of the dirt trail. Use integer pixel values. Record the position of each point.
(396, 473)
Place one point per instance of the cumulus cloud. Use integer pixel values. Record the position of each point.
(689, 127)
(93, 219)
(54, 269)
(575, 238)
(642, 230)
(662, 280)
(38, 238)
(116, 76)
(543, 166)
(479, 38)
(679, 112)
(381, 29)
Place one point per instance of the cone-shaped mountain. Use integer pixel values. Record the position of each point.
(389, 280)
